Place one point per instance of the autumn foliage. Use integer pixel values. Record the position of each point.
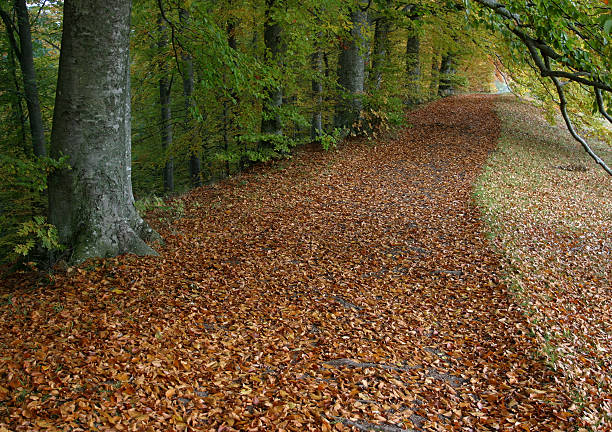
(352, 290)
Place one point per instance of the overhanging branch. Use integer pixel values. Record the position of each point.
(570, 126)
(541, 53)
(600, 105)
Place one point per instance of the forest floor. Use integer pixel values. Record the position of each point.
(348, 290)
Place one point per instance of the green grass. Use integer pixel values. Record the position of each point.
(547, 209)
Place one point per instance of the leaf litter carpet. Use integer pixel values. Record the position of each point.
(351, 290)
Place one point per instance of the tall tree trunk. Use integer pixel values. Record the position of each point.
(227, 110)
(165, 99)
(380, 56)
(271, 120)
(195, 165)
(351, 73)
(316, 124)
(435, 74)
(16, 101)
(447, 70)
(91, 204)
(367, 51)
(413, 69)
(25, 55)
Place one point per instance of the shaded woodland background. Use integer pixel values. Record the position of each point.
(203, 76)
(220, 85)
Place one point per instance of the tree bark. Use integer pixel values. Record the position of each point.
(380, 56)
(91, 204)
(316, 124)
(165, 100)
(195, 165)
(271, 120)
(227, 109)
(447, 70)
(30, 86)
(413, 69)
(351, 73)
(17, 107)
(435, 74)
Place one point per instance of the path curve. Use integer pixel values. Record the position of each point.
(349, 291)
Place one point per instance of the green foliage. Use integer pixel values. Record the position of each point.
(233, 73)
(147, 204)
(331, 140)
(577, 32)
(22, 204)
(37, 231)
(380, 114)
(24, 179)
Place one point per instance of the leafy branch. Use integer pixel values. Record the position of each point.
(542, 53)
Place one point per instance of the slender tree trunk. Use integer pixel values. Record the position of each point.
(271, 120)
(413, 69)
(226, 140)
(16, 102)
(435, 74)
(351, 73)
(447, 70)
(30, 86)
(316, 124)
(165, 100)
(366, 50)
(91, 204)
(380, 55)
(227, 110)
(195, 165)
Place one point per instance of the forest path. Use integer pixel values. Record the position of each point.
(346, 290)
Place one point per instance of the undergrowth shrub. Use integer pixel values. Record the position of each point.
(24, 230)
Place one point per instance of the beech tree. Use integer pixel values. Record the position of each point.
(447, 70)
(564, 41)
(413, 67)
(271, 123)
(91, 203)
(25, 55)
(351, 70)
(165, 101)
(381, 45)
(187, 75)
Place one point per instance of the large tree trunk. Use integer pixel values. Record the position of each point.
(380, 56)
(271, 120)
(351, 73)
(25, 55)
(195, 165)
(413, 69)
(165, 100)
(447, 70)
(91, 204)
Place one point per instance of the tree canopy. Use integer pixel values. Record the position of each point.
(220, 85)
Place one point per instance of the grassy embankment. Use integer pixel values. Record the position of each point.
(548, 208)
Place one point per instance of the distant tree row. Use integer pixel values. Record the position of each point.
(170, 94)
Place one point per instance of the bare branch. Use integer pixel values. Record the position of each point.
(500, 9)
(541, 54)
(10, 32)
(600, 105)
(537, 47)
(570, 126)
(172, 35)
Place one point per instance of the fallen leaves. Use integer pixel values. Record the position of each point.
(553, 229)
(352, 290)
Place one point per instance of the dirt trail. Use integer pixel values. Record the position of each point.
(352, 290)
